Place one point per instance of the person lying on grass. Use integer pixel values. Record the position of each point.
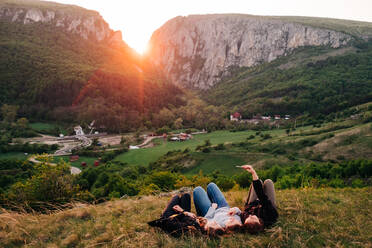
(177, 219)
(213, 206)
(260, 207)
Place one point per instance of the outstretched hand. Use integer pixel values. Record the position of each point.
(214, 205)
(250, 169)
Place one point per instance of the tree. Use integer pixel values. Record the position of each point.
(9, 112)
(22, 122)
(178, 123)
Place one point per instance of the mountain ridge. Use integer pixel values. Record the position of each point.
(86, 23)
(197, 50)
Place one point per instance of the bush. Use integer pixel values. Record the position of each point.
(149, 189)
(336, 183)
(165, 180)
(243, 179)
(206, 150)
(220, 147)
(357, 183)
(225, 183)
(266, 136)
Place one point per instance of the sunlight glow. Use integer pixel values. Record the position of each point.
(140, 18)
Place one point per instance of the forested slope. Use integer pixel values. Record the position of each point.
(310, 80)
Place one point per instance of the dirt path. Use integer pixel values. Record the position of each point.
(73, 170)
(148, 140)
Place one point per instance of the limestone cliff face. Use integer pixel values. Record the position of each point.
(196, 51)
(87, 24)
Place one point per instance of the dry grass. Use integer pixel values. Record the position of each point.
(334, 147)
(308, 218)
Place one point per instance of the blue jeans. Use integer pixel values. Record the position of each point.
(203, 200)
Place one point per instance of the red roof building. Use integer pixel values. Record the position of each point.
(235, 117)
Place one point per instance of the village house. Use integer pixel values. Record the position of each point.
(235, 117)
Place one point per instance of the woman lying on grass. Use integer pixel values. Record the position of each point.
(213, 206)
(260, 208)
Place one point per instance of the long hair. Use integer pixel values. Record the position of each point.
(254, 228)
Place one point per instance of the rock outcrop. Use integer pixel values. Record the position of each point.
(196, 51)
(85, 23)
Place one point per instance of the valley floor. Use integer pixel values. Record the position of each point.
(308, 218)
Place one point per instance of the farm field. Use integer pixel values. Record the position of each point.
(88, 160)
(147, 155)
(333, 141)
(46, 127)
(13, 155)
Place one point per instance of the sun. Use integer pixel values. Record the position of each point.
(139, 44)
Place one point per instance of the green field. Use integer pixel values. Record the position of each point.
(46, 127)
(334, 141)
(147, 155)
(221, 161)
(39, 126)
(13, 155)
(88, 160)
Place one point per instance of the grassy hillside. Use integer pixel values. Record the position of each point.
(308, 218)
(314, 80)
(338, 140)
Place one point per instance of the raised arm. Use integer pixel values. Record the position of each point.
(257, 184)
(250, 169)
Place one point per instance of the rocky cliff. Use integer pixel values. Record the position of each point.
(72, 19)
(196, 51)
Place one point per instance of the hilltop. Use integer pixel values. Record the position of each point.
(308, 218)
(196, 51)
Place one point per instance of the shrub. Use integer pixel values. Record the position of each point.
(357, 183)
(336, 183)
(165, 180)
(243, 179)
(266, 136)
(206, 150)
(225, 183)
(149, 189)
(220, 146)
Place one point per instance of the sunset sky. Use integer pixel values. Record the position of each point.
(138, 19)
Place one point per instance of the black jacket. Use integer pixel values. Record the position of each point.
(177, 224)
(262, 208)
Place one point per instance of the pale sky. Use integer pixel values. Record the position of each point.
(138, 19)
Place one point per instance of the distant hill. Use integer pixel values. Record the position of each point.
(196, 51)
(268, 64)
(57, 59)
(313, 80)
